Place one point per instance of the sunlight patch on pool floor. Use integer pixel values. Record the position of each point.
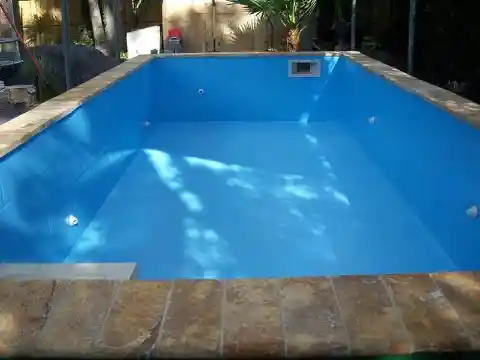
(237, 200)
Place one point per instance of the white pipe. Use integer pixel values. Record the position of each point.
(214, 25)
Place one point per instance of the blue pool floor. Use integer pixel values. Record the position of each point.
(229, 200)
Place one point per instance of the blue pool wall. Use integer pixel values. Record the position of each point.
(70, 168)
(241, 88)
(430, 156)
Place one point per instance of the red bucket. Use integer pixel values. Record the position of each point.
(174, 33)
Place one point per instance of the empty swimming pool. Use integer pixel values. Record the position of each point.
(242, 166)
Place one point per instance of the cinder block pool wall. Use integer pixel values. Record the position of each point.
(242, 88)
(430, 156)
(70, 168)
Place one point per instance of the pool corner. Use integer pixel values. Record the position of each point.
(22, 128)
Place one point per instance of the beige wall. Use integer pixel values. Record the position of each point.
(234, 31)
(232, 28)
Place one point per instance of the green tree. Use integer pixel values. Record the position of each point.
(293, 14)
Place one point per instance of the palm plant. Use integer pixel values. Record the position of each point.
(293, 14)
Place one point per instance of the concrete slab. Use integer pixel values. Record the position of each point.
(8, 111)
(90, 271)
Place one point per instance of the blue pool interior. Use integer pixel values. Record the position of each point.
(226, 167)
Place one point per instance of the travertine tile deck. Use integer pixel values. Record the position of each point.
(349, 315)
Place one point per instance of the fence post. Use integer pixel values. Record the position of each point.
(66, 43)
(353, 25)
(118, 25)
(411, 34)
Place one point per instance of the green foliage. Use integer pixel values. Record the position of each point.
(293, 14)
(44, 29)
(446, 45)
(52, 82)
(85, 63)
(265, 9)
(85, 38)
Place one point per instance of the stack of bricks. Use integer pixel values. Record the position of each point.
(21, 94)
(3, 92)
(18, 94)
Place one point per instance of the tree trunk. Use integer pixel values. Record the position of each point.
(108, 7)
(97, 25)
(271, 28)
(293, 40)
(114, 31)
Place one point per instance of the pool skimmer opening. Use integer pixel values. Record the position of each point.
(304, 68)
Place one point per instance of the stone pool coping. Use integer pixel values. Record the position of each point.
(350, 315)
